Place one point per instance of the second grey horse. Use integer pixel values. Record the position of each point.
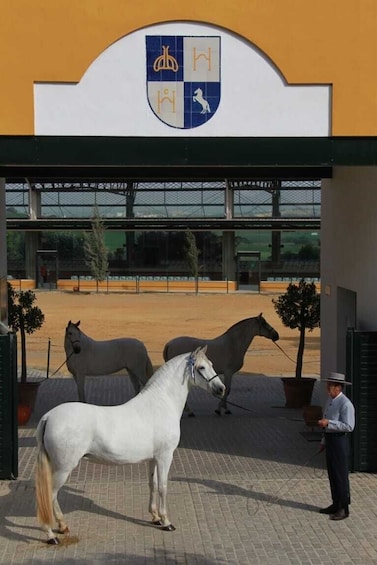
(227, 352)
(88, 357)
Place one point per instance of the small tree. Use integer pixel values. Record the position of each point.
(23, 316)
(192, 256)
(299, 308)
(96, 253)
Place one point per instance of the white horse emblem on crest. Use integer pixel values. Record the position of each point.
(198, 97)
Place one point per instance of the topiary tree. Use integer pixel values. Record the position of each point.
(299, 308)
(23, 316)
(192, 255)
(96, 253)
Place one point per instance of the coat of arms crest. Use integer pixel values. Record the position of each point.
(183, 78)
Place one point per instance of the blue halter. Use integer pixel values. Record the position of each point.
(191, 364)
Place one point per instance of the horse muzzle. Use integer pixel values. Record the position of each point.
(76, 349)
(275, 336)
(218, 390)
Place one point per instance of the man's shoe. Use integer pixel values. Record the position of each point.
(329, 510)
(339, 515)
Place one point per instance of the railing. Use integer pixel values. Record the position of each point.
(140, 284)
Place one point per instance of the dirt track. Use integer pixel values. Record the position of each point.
(156, 318)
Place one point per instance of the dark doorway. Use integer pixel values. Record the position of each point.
(346, 319)
(248, 270)
(47, 269)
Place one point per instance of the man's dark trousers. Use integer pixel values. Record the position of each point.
(337, 460)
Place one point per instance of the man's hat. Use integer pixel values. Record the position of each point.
(337, 378)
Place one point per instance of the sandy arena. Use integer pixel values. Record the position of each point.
(156, 318)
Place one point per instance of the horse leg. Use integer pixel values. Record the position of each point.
(222, 404)
(47, 485)
(59, 478)
(163, 466)
(80, 382)
(135, 382)
(153, 492)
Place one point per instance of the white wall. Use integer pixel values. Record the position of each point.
(348, 251)
(111, 98)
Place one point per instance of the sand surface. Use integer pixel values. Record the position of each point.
(156, 318)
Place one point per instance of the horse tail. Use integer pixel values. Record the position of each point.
(43, 481)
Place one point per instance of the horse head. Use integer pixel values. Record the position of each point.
(73, 335)
(266, 330)
(202, 367)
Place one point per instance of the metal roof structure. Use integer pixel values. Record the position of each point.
(236, 204)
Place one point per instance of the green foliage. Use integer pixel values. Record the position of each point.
(192, 253)
(96, 253)
(16, 246)
(299, 308)
(23, 316)
(68, 244)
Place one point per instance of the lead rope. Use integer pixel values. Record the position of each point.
(60, 366)
(274, 498)
(284, 353)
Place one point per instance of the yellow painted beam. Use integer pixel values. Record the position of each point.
(322, 42)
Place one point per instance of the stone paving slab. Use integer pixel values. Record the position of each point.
(243, 489)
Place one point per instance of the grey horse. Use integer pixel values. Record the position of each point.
(227, 351)
(87, 357)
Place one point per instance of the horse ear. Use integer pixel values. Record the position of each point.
(260, 315)
(78, 323)
(198, 350)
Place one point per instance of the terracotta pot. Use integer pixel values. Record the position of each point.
(312, 414)
(27, 394)
(298, 392)
(23, 414)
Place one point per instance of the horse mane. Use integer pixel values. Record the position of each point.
(242, 322)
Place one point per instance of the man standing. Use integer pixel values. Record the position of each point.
(337, 422)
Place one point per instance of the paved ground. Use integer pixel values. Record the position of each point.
(243, 489)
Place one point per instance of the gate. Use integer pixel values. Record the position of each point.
(361, 369)
(8, 407)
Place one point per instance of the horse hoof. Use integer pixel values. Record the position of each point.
(157, 522)
(53, 541)
(227, 412)
(218, 412)
(169, 528)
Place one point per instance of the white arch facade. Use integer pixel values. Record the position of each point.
(112, 96)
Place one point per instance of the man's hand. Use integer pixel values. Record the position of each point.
(323, 423)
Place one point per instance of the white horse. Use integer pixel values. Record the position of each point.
(198, 97)
(147, 427)
(88, 357)
(227, 352)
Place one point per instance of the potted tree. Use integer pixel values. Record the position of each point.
(25, 317)
(299, 308)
